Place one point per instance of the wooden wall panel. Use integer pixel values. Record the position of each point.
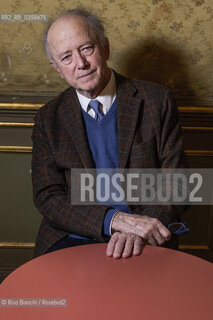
(16, 122)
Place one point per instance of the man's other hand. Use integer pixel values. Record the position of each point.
(124, 245)
(150, 229)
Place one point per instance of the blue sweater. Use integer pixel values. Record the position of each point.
(103, 138)
(103, 141)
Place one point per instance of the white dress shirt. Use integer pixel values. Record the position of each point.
(106, 98)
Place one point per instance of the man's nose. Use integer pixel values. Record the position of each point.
(80, 60)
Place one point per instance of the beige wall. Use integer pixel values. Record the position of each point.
(168, 41)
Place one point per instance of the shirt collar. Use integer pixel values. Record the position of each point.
(106, 97)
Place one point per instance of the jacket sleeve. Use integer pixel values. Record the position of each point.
(166, 125)
(52, 193)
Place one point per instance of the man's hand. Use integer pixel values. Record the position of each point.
(124, 245)
(147, 228)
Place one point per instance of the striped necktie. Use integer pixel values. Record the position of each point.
(94, 104)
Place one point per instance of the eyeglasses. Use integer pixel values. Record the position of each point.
(178, 227)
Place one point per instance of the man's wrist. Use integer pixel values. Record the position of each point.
(116, 221)
(108, 221)
(111, 230)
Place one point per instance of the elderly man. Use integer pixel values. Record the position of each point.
(103, 120)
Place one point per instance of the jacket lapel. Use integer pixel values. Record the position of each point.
(129, 103)
(73, 121)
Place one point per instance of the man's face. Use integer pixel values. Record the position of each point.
(78, 55)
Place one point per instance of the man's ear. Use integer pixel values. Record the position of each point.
(55, 66)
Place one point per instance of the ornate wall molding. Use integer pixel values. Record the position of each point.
(35, 106)
(17, 244)
(15, 149)
(17, 124)
(194, 128)
(195, 109)
(199, 153)
(23, 149)
(20, 106)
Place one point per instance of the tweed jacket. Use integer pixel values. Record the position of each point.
(149, 136)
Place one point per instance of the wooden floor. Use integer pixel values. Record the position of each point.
(10, 259)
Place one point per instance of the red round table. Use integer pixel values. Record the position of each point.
(159, 284)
